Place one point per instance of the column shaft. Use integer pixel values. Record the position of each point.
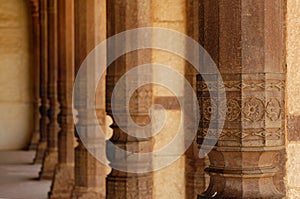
(90, 30)
(40, 152)
(247, 41)
(35, 9)
(196, 178)
(124, 15)
(51, 155)
(63, 182)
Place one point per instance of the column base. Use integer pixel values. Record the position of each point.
(63, 182)
(49, 164)
(40, 152)
(87, 193)
(251, 187)
(34, 141)
(137, 186)
(196, 178)
(248, 173)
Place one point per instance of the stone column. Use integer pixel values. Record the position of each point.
(196, 178)
(124, 15)
(90, 30)
(246, 39)
(51, 155)
(42, 145)
(63, 180)
(35, 9)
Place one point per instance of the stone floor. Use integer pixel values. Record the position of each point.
(19, 177)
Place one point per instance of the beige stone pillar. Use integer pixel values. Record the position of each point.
(90, 30)
(42, 145)
(178, 177)
(51, 154)
(63, 180)
(35, 27)
(246, 39)
(124, 15)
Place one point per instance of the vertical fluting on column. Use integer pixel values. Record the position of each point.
(63, 181)
(196, 178)
(90, 30)
(51, 154)
(124, 15)
(42, 145)
(247, 41)
(35, 9)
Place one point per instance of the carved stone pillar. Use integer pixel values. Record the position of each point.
(63, 180)
(34, 4)
(196, 178)
(247, 41)
(51, 155)
(42, 145)
(90, 30)
(121, 184)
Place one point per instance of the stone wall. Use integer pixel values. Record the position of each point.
(16, 101)
(293, 99)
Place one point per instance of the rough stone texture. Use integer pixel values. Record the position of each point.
(247, 159)
(161, 10)
(63, 182)
(49, 164)
(172, 176)
(293, 128)
(293, 98)
(16, 85)
(293, 168)
(293, 56)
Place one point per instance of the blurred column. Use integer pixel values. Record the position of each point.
(42, 145)
(124, 15)
(90, 30)
(35, 13)
(51, 154)
(196, 178)
(63, 180)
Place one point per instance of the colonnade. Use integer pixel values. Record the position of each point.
(246, 40)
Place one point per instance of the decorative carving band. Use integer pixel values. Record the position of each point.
(253, 109)
(244, 134)
(246, 85)
(258, 111)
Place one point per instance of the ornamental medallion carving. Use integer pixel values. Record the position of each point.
(253, 109)
(273, 109)
(233, 110)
